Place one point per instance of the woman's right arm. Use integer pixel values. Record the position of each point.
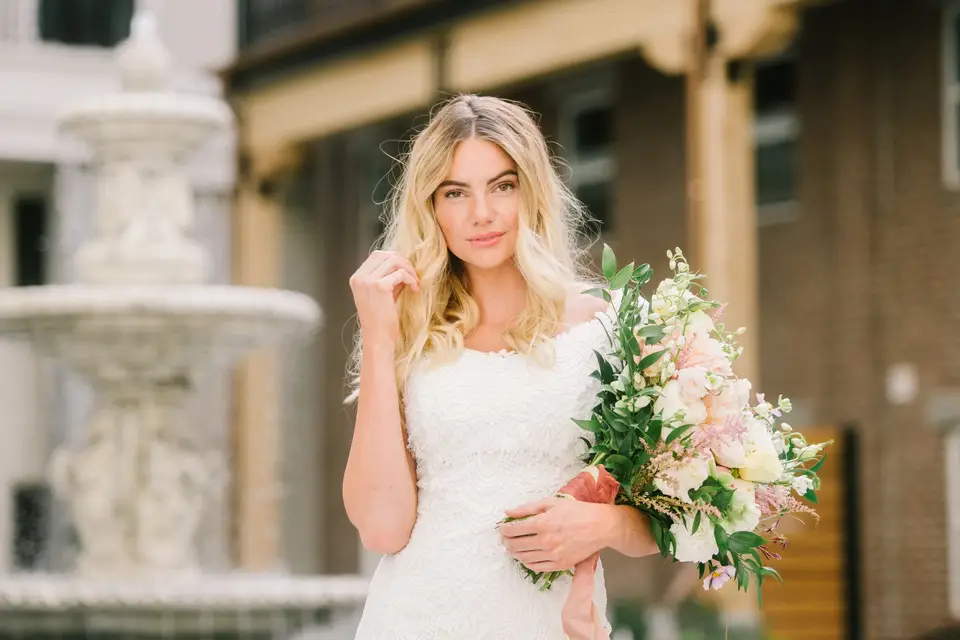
(379, 484)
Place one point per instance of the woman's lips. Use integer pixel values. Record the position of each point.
(487, 239)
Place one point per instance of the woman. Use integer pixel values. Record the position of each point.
(477, 351)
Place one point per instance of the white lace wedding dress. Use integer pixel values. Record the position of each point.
(489, 431)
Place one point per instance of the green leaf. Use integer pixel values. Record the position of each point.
(642, 274)
(650, 360)
(744, 541)
(618, 465)
(620, 280)
(609, 262)
(606, 371)
(722, 499)
(653, 331)
(819, 464)
(811, 495)
(613, 421)
(679, 431)
(696, 521)
(590, 425)
(721, 537)
(653, 432)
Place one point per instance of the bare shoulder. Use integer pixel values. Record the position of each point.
(582, 307)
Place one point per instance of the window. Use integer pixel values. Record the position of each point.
(261, 20)
(31, 511)
(30, 228)
(776, 130)
(101, 23)
(951, 95)
(587, 137)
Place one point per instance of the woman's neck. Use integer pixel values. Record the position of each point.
(500, 293)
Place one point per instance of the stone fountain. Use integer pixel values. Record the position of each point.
(141, 326)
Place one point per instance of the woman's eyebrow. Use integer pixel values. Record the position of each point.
(457, 183)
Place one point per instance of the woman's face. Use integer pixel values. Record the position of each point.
(477, 205)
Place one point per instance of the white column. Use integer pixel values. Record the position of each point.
(28, 18)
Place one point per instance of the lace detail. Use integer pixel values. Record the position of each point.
(489, 431)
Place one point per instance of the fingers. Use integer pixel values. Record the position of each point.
(533, 558)
(392, 264)
(531, 509)
(400, 276)
(545, 567)
(373, 262)
(523, 544)
(381, 264)
(528, 527)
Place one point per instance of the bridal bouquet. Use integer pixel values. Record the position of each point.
(675, 433)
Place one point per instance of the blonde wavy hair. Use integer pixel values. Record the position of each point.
(549, 250)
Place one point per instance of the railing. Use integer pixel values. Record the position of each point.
(272, 20)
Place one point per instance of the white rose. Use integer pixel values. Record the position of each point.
(672, 401)
(761, 462)
(680, 480)
(694, 547)
(694, 383)
(743, 513)
(730, 454)
(730, 401)
(699, 323)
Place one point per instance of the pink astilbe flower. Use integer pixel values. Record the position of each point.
(712, 436)
(683, 357)
(717, 312)
(776, 501)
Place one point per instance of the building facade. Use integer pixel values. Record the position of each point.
(847, 241)
(53, 54)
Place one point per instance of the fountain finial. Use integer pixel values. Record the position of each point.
(143, 59)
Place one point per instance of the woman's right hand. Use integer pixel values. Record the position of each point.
(376, 285)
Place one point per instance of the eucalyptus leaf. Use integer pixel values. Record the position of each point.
(609, 262)
(679, 431)
(815, 468)
(590, 425)
(620, 280)
(651, 360)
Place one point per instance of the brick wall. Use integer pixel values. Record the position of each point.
(861, 280)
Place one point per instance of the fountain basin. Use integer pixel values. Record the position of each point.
(153, 330)
(234, 605)
(178, 123)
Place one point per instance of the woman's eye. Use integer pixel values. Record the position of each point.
(505, 186)
(453, 194)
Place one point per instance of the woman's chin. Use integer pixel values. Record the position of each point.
(487, 261)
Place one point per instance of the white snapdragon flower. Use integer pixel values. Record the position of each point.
(802, 484)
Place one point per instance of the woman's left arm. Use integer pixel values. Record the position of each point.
(629, 532)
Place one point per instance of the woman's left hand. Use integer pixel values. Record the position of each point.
(556, 533)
